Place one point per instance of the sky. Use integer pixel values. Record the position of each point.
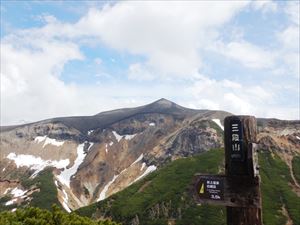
(71, 58)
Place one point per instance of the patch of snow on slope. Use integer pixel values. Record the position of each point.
(66, 207)
(286, 132)
(3, 169)
(218, 122)
(117, 136)
(150, 169)
(106, 150)
(64, 176)
(36, 163)
(14, 209)
(111, 143)
(39, 139)
(103, 192)
(152, 124)
(91, 145)
(16, 192)
(6, 191)
(127, 136)
(138, 159)
(90, 132)
(11, 202)
(143, 166)
(296, 137)
(65, 201)
(48, 141)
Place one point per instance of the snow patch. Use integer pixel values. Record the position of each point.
(66, 207)
(152, 124)
(36, 163)
(39, 139)
(65, 201)
(3, 169)
(6, 191)
(14, 209)
(91, 145)
(127, 136)
(143, 166)
(11, 202)
(48, 141)
(106, 150)
(111, 143)
(64, 176)
(16, 192)
(90, 132)
(218, 122)
(286, 132)
(103, 192)
(296, 137)
(150, 169)
(117, 136)
(138, 159)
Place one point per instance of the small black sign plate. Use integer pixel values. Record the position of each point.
(211, 188)
(236, 140)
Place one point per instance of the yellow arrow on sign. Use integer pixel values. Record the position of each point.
(202, 189)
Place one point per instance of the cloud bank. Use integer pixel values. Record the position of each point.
(173, 38)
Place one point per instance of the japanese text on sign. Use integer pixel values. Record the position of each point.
(236, 140)
(212, 189)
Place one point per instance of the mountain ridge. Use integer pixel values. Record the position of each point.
(91, 159)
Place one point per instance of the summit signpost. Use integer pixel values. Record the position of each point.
(239, 188)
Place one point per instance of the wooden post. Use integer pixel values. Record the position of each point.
(240, 161)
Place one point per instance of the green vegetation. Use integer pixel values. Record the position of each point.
(163, 195)
(169, 188)
(47, 196)
(36, 216)
(276, 191)
(296, 168)
(44, 196)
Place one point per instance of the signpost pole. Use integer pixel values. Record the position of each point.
(240, 138)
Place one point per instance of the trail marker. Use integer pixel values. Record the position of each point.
(239, 188)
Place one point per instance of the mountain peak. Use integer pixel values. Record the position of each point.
(164, 102)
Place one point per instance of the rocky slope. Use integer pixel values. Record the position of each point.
(96, 156)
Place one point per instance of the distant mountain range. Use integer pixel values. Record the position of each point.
(77, 161)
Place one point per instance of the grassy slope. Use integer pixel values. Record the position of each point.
(296, 168)
(171, 183)
(276, 192)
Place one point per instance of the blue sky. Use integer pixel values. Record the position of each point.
(63, 58)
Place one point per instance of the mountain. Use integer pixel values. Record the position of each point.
(76, 161)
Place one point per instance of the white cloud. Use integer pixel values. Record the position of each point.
(169, 35)
(30, 84)
(293, 11)
(289, 38)
(247, 54)
(98, 61)
(265, 5)
(258, 100)
(138, 71)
